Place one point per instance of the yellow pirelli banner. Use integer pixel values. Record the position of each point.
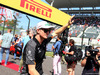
(39, 9)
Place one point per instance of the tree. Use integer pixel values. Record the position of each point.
(21, 27)
(9, 21)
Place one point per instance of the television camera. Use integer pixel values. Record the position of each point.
(92, 52)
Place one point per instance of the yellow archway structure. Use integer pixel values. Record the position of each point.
(38, 9)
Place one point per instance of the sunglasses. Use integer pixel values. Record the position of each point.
(46, 30)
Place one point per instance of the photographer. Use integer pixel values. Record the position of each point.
(72, 63)
(91, 62)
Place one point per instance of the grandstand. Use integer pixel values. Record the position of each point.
(78, 7)
(87, 19)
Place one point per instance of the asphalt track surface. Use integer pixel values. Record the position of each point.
(47, 67)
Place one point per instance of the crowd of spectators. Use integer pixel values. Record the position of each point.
(90, 24)
(94, 21)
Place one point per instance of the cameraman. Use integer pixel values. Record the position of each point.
(71, 64)
(91, 63)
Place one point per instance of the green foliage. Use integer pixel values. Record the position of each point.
(21, 28)
(1, 21)
(1, 28)
(10, 22)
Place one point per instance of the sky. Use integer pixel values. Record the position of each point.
(24, 20)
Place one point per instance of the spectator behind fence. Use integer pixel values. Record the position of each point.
(34, 51)
(6, 41)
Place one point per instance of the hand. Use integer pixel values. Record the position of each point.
(13, 45)
(88, 53)
(64, 52)
(98, 54)
(98, 57)
(71, 21)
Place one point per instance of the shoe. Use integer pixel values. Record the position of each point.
(18, 70)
